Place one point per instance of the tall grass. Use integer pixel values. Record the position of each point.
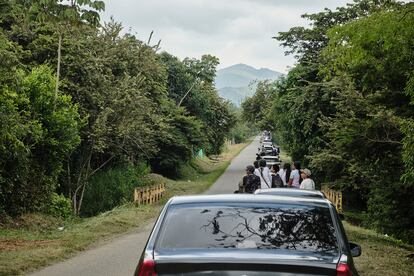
(112, 187)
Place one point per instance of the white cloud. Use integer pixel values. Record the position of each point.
(236, 31)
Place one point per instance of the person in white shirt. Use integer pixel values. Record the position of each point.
(285, 174)
(307, 183)
(282, 174)
(294, 179)
(264, 173)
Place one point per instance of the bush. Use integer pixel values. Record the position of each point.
(176, 147)
(242, 131)
(60, 206)
(390, 211)
(38, 131)
(112, 187)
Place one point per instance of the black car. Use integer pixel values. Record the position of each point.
(248, 235)
(291, 192)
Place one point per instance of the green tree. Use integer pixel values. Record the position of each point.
(178, 142)
(375, 55)
(120, 89)
(346, 109)
(63, 15)
(191, 83)
(255, 108)
(127, 95)
(35, 138)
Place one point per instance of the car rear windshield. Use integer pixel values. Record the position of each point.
(271, 226)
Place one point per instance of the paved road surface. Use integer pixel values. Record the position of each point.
(228, 181)
(120, 256)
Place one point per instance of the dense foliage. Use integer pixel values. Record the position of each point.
(37, 133)
(82, 105)
(112, 187)
(345, 109)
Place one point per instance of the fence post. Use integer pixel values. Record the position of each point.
(148, 195)
(333, 196)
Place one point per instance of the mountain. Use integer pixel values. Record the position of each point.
(236, 95)
(236, 82)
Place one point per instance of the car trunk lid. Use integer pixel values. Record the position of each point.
(242, 262)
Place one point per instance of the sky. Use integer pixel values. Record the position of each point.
(235, 31)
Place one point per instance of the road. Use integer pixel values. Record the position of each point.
(120, 256)
(227, 182)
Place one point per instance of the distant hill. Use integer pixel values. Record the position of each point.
(236, 95)
(236, 82)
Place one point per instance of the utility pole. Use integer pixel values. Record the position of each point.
(192, 86)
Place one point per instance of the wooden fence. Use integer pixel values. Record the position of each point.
(334, 196)
(148, 195)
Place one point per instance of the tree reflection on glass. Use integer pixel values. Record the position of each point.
(307, 229)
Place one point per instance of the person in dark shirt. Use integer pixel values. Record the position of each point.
(277, 181)
(251, 182)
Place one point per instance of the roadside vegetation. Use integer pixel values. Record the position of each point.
(35, 240)
(381, 254)
(88, 110)
(345, 110)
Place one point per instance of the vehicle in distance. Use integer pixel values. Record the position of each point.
(267, 149)
(267, 139)
(291, 192)
(271, 160)
(248, 235)
(267, 144)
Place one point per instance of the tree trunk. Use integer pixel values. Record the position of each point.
(85, 181)
(58, 68)
(192, 86)
(79, 186)
(69, 179)
(81, 198)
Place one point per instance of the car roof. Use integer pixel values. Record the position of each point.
(289, 191)
(247, 198)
